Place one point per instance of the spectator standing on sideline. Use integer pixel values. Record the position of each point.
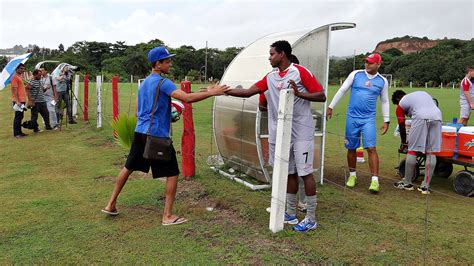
(466, 97)
(306, 89)
(36, 101)
(160, 60)
(18, 99)
(50, 94)
(62, 88)
(425, 134)
(366, 86)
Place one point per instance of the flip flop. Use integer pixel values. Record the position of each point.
(178, 220)
(111, 213)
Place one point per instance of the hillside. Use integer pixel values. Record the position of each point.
(420, 61)
(406, 45)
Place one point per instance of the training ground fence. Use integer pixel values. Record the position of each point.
(418, 228)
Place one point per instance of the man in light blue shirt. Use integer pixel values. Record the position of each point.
(366, 86)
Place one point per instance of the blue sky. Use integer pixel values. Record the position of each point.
(229, 23)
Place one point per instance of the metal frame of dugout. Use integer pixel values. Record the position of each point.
(240, 129)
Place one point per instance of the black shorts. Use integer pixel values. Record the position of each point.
(136, 162)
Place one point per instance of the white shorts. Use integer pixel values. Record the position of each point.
(425, 135)
(301, 157)
(465, 110)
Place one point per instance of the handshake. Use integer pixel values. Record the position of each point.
(19, 108)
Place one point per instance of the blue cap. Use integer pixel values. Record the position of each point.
(159, 53)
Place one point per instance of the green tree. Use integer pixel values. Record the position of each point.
(184, 61)
(114, 66)
(393, 52)
(118, 49)
(137, 64)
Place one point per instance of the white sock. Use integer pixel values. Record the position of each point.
(352, 173)
(375, 178)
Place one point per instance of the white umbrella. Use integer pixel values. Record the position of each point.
(10, 69)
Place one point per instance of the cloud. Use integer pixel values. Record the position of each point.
(229, 23)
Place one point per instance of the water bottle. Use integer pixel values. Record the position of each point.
(457, 126)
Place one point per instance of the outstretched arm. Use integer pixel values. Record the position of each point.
(215, 90)
(244, 93)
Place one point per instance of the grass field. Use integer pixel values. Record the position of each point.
(53, 185)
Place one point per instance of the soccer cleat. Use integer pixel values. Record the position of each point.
(402, 185)
(290, 219)
(352, 181)
(424, 190)
(305, 225)
(374, 186)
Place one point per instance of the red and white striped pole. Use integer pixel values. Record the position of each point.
(86, 97)
(188, 138)
(115, 107)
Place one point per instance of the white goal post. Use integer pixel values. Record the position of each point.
(389, 79)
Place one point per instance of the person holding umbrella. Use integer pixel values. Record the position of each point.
(18, 100)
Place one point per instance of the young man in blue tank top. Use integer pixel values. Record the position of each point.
(160, 60)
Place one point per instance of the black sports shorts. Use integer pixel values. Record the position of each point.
(136, 162)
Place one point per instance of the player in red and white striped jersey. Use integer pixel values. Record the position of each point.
(286, 75)
(466, 97)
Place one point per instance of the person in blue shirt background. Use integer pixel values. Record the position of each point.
(366, 86)
(160, 59)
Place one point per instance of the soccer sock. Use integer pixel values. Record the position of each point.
(311, 207)
(291, 202)
(429, 169)
(410, 164)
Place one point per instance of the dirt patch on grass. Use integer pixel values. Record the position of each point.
(108, 144)
(142, 175)
(143, 209)
(218, 220)
(191, 191)
(134, 176)
(105, 178)
(120, 161)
